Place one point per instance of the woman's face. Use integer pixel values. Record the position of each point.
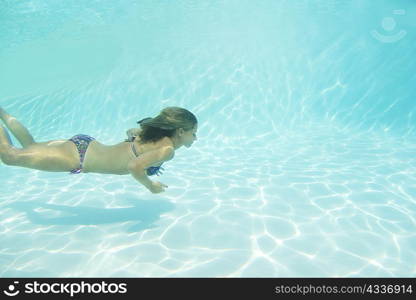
(189, 136)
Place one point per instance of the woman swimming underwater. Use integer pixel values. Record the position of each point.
(141, 155)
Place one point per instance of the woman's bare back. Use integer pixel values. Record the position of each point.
(114, 159)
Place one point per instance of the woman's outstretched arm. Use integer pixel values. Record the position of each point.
(137, 167)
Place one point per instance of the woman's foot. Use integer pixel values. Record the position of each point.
(6, 154)
(5, 145)
(17, 129)
(3, 115)
(2, 112)
(4, 136)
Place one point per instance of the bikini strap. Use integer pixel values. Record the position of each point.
(134, 149)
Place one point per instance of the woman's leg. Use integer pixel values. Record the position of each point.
(5, 145)
(17, 129)
(53, 156)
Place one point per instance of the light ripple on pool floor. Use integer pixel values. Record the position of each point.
(316, 215)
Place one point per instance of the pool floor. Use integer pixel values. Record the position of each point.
(320, 202)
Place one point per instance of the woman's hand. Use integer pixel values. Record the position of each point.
(157, 187)
(133, 132)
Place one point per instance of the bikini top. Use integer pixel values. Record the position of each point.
(150, 171)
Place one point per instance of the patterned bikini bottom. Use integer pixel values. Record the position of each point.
(81, 141)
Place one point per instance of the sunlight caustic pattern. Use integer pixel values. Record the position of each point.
(304, 166)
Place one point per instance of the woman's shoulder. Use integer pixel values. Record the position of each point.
(163, 146)
(168, 152)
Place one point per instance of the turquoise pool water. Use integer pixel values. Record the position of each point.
(305, 162)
